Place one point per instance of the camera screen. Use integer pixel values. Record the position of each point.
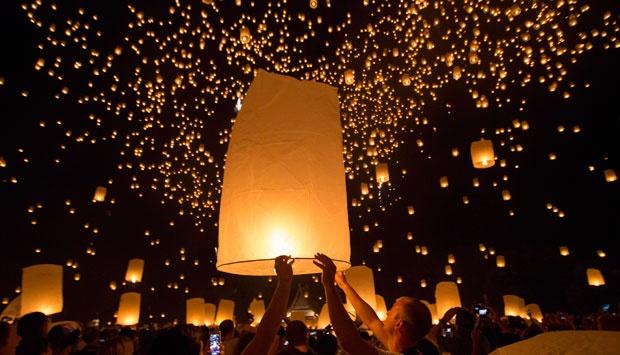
(483, 311)
(214, 344)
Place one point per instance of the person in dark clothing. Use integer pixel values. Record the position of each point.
(297, 336)
(32, 328)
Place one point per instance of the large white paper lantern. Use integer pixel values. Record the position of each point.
(514, 306)
(195, 311)
(482, 155)
(134, 270)
(257, 308)
(533, 310)
(209, 314)
(225, 310)
(324, 319)
(381, 308)
(362, 280)
(42, 289)
(284, 181)
(595, 277)
(446, 296)
(129, 309)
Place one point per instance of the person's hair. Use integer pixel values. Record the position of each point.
(175, 340)
(297, 333)
(417, 316)
(32, 328)
(90, 334)
(227, 327)
(465, 320)
(326, 344)
(5, 330)
(61, 337)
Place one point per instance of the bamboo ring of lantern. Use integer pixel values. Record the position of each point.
(284, 187)
(482, 155)
(244, 35)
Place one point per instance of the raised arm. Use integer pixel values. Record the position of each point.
(266, 330)
(344, 327)
(363, 310)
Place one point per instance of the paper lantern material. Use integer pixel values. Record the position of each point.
(514, 306)
(225, 310)
(381, 308)
(100, 193)
(129, 309)
(324, 319)
(364, 188)
(134, 270)
(382, 173)
(42, 289)
(446, 296)
(349, 77)
(284, 183)
(534, 312)
(283, 186)
(610, 175)
(482, 155)
(595, 277)
(433, 309)
(244, 35)
(443, 182)
(500, 261)
(564, 251)
(209, 314)
(257, 308)
(195, 311)
(362, 280)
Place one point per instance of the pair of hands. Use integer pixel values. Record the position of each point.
(284, 269)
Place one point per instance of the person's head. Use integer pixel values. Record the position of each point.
(227, 328)
(326, 344)
(8, 338)
(297, 333)
(408, 318)
(116, 346)
(465, 320)
(33, 326)
(175, 340)
(62, 338)
(91, 335)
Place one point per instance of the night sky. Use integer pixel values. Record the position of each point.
(139, 97)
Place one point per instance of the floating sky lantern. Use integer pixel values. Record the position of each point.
(448, 270)
(210, 310)
(324, 319)
(364, 188)
(381, 308)
(313, 4)
(195, 311)
(405, 80)
(506, 195)
(349, 77)
(244, 35)
(257, 308)
(129, 309)
(225, 310)
(610, 175)
(423, 283)
(100, 193)
(500, 261)
(284, 188)
(446, 297)
(451, 259)
(564, 251)
(410, 210)
(41, 289)
(482, 155)
(382, 173)
(514, 306)
(134, 270)
(595, 277)
(443, 182)
(534, 312)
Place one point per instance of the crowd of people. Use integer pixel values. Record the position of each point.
(407, 329)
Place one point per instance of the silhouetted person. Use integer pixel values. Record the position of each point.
(8, 338)
(62, 339)
(91, 338)
(32, 328)
(297, 336)
(177, 340)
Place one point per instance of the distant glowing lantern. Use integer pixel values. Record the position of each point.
(323, 317)
(382, 173)
(506, 195)
(409, 236)
(423, 283)
(610, 175)
(459, 280)
(195, 311)
(448, 270)
(134, 270)
(225, 310)
(41, 289)
(209, 314)
(564, 251)
(433, 309)
(601, 253)
(405, 80)
(284, 187)
(257, 308)
(500, 261)
(129, 309)
(364, 188)
(410, 210)
(100, 193)
(245, 36)
(362, 280)
(514, 306)
(424, 250)
(381, 308)
(595, 277)
(534, 312)
(443, 182)
(482, 155)
(314, 4)
(482, 247)
(349, 77)
(399, 279)
(451, 259)
(455, 152)
(446, 297)
(476, 182)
